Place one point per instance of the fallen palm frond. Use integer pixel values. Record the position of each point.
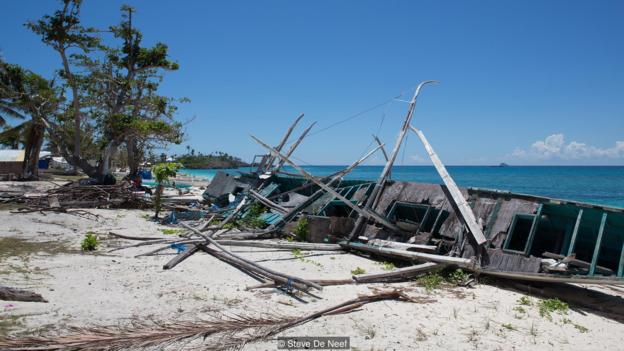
(217, 333)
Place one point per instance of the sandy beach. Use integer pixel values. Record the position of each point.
(41, 253)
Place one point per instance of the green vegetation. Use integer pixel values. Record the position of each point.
(297, 253)
(549, 306)
(74, 109)
(509, 326)
(387, 266)
(89, 243)
(162, 173)
(215, 160)
(170, 231)
(302, 230)
(358, 271)
(525, 301)
(580, 328)
(458, 277)
(430, 281)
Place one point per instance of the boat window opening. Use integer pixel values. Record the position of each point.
(519, 232)
(413, 217)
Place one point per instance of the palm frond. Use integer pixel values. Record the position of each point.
(224, 332)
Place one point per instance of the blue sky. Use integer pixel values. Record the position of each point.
(522, 82)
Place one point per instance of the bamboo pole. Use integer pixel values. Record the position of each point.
(280, 164)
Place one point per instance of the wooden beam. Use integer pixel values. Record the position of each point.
(594, 262)
(534, 225)
(577, 225)
(271, 159)
(316, 195)
(578, 263)
(464, 209)
(286, 245)
(398, 274)
(266, 202)
(375, 194)
(13, 294)
(362, 211)
(293, 147)
(409, 255)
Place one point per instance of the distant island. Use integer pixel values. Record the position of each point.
(503, 164)
(217, 159)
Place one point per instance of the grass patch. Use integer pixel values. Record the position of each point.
(430, 281)
(509, 326)
(458, 277)
(580, 328)
(358, 271)
(90, 242)
(170, 231)
(387, 266)
(550, 306)
(524, 301)
(302, 229)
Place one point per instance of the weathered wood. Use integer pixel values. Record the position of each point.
(336, 177)
(129, 237)
(462, 205)
(578, 263)
(409, 255)
(294, 146)
(13, 294)
(594, 262)
(282, 245)
(577, 225)
(267, 271)
(375, 194)
(554, 278)
(266, 202)
(238, 208)
(398, 274)
(271, 159)
(362, 211)
(533, 230)
(402, 246)
(190, 250)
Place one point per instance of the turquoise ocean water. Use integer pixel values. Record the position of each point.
(599, 185)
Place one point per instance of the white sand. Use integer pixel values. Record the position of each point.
(105, 289)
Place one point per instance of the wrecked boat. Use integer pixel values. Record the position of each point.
(490, 232)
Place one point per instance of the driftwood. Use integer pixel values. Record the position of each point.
(282, 245)
(402, 246)
(13, 294)
(297, 282)
(398, 274)
(410, 255)
(181, 257)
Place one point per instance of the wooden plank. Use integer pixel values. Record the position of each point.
(462, 205)
(403, 246)
(362, 211)
(554, 278)
(336, 177)
(594, 262)
(268, 203)
(577, 263)
(271, 159)
(577, 225)
(181, 257)
(534, 225)
(282, 245)
(398, 274)
(409, 255)
(292, 148)
(375, 194)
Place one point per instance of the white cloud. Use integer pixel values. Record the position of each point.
(555, 147)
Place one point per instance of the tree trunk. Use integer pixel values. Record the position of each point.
(134, 157)
(76, 107)
(34, 141)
